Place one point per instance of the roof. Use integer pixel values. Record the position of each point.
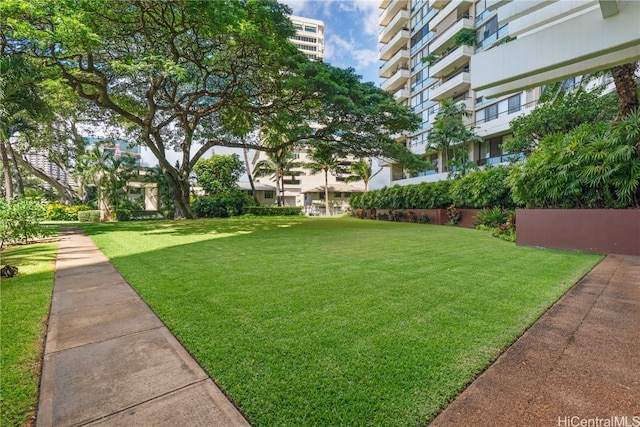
(258, 185)
(340, 188)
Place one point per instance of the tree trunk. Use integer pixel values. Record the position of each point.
(65, 192)
(624, 79)
(18, 177)
(8, 182)
(179, 189)
(327, 212)
(248, 168)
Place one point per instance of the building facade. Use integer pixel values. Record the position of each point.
(309, 37)
(426, 49)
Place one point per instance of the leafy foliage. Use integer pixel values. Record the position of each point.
(593, 166)
(218, 173)
(274, 210)
(483, 188)
(449, 135)
(60, 212)
(20, 220)
(559, 114)
(222, 205)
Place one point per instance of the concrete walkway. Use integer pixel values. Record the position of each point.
(578, 365)
(110, 361)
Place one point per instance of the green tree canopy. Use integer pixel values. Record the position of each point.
(560, 112)
(218, 173)
(191, 75)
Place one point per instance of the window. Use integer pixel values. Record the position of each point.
(310, 29)
(269, 194)
(337, 194)
(514, 104)
(491, 112)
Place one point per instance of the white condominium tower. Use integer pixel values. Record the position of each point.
(309, 37)
(426, 47)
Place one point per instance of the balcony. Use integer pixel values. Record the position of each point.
(401, 95)
(396, 81)
(452, 86)
(449, 63)
(445, 40)
(398, 41)
(388, 68)
(391, 11)
(454, 6)
(401, 21)
(383, 4)
(438, 4)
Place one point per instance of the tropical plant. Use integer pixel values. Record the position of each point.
(593, 166)
(483, 188)
(325, 159)
(560, 111)
(361, 171)
(449, 135)
(624, 77)
(100, 168)
(278, 165)
(232, 202)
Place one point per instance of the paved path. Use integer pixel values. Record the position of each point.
(578, 364)
(110, 361)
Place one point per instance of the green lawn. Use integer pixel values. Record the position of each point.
(24, 307)
(338, 321)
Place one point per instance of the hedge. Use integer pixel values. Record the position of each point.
(89, 216)
(274, 210)
(479, 189)
(60, 212)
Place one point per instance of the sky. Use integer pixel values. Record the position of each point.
(351, 32)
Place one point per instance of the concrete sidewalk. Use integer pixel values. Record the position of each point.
(110, 361)
(579, 364)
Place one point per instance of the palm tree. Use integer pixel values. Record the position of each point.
(278, 165)
(361, 171)
(449, 130)
(626, 89)
(325, 159)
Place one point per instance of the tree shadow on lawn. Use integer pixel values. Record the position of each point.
(224, 226)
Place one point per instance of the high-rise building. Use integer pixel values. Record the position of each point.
(426, 47)
(309, 37)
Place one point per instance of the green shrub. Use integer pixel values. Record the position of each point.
(89, 216)
(275, 210)
(123, 215)
(483, 188)
(223, 205)
(593, 166)
(60, 212)
(20, 221)
(492, 218)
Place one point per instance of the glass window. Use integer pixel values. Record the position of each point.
(514, 104)
(269, 194)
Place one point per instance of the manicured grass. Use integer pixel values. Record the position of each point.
(338, 321)
(24, 307)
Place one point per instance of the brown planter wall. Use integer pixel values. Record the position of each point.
(436, 216)
(589, 230)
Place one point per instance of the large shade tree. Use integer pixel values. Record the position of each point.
(191, 75)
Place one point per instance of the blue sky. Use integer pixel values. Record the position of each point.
(351, 32)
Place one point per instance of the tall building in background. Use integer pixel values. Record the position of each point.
(426, 48)
(307, 190)
(309, 37)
